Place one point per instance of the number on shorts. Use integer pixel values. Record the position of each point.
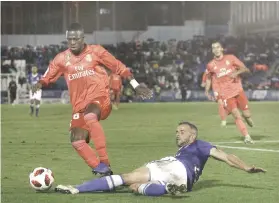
(76, 116)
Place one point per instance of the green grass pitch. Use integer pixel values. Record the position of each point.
(136, 134)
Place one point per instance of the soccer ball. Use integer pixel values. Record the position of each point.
(41, 179)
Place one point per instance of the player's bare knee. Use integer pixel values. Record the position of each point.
(128, 178)
(77, 135)
(93, 108)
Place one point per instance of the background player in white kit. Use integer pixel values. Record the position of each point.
(35, 99)
(174, 174)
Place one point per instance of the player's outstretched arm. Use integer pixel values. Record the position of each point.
(234, 161)
(207, 88)
(52, 73)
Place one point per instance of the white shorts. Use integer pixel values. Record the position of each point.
(37, 95)
(167, 170)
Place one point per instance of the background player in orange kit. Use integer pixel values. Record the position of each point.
(221, 109)
(115, 87)
(225, 71)
(88, 86)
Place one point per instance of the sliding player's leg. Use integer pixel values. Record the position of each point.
(152, 180)
(108, 183)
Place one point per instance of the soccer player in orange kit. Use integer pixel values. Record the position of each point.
(225, 71)
(88, 86)
(221, 109)
(115, 87)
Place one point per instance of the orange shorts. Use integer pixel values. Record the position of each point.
(239, 101)
(78, 118)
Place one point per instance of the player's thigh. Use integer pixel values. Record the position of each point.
(78, 128)
(100, 106)
(140, 175)
(242, 102)
(230, 104)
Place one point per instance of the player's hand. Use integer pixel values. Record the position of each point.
(143, 92)
(254, 169)
(36, 87)
(209, 96)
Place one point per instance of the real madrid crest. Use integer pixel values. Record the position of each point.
(88, 58)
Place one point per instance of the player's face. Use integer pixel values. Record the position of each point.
(184, 135)
(75, 41)
(217, 49)
(34, 69)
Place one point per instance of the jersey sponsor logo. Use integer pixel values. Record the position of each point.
(80, 73)
(223, 72)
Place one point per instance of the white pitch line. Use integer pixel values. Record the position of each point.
(239, 142)
(249, 149)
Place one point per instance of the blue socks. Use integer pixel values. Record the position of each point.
(107, 183)
(152, 189)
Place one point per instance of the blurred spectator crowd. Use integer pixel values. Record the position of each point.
(172, 65)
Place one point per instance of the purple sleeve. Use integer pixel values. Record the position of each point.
(205, 147)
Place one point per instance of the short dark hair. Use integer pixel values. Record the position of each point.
(192, 126)
(75, 27)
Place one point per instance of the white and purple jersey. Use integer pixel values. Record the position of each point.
(34, 78)
(194, 157)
